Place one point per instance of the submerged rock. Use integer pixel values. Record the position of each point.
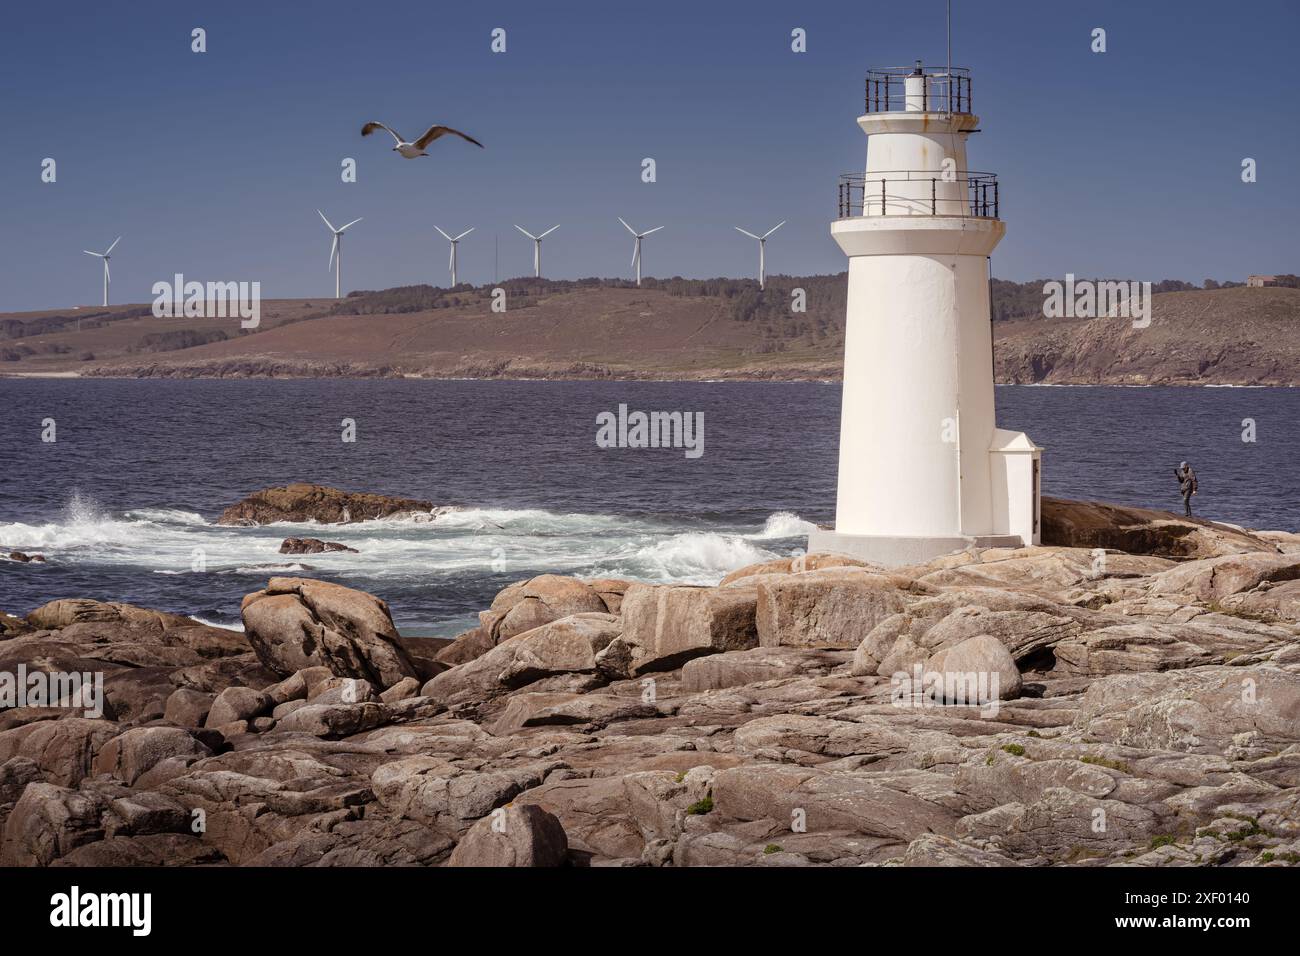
(312, 546)
(319, 503)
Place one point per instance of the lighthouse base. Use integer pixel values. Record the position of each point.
(892, 551)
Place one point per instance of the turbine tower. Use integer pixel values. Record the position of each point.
(105, 255)
(336, 252)
(452, 263)
(636, 246)
(924, 469)
(762, 250)
(537, 247)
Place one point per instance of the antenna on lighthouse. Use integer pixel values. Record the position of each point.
(948, 78)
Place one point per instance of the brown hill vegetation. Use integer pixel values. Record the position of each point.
(668, 329)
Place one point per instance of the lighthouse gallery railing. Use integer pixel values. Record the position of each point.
(919, 193)
(942, 92)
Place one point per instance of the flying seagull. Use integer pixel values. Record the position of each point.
(412, 150)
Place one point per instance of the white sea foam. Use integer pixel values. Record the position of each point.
(784, 524)
(694, 557)
(225, 627)
(468, 541)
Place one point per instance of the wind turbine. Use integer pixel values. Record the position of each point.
(762, 249)
(452, 263)
(636, 246)
(336, 250)
(537, 246)
(105, 255)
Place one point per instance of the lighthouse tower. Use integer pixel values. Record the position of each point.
(923, 468)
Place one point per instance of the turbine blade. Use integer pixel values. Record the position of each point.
(443, 234)
(451, 258)
(746, 232)
(549, 231)
(465, 233)
(525, 232)
(626, 226)
(774, 228)
(334, 247)
(636, 252)
(327, 222)
(649, 231)
(110, 248)
(89, 253)
(108, 274)
(352, 223)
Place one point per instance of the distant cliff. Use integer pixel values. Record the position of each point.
(669, 329)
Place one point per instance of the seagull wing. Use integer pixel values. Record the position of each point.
(371, 127)
(433, 132)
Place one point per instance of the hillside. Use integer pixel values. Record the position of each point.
(670, 329)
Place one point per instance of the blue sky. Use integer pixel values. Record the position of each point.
(1125, 163)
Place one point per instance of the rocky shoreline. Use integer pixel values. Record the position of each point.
(1015, 369)
(1090, 706)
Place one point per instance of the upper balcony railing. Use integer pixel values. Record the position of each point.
(932, 91)
(919, 193)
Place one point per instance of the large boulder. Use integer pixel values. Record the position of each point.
(49, 821)
(566, 646)
(67, 611)
(834, 607)
(976, 671)
(306, 502)
(143, 749)
(513, 836)
(64, 749)
(1217, 578)
(237, 703)
(1099, 524)
(297, 622)
(665, 626)
(525, 605)
(737, 668)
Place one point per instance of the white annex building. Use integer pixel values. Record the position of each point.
(923, 468)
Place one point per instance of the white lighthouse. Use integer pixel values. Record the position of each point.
(923, 469)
